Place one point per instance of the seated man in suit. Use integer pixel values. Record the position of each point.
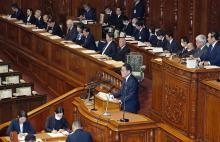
(184, 42)
(128, 94)
(56, 122)
(110, 17)
(38, 18)
(143, 33)
(18, 14)
(119, 19)
(30, 16)
(161, 39)
(21, 124)
(89, 13)
(71, 33)
(110, 47)
(54, 28)
(172, 45)
(127, 26)
(212, 55)
(80, 38)
(201, 47)
(138, 9)
(122, 50)
(153, 38)
(30, 138)
(89, 41)
(79, 135)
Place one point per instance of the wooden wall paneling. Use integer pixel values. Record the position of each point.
(26, 41)
(154, 13)
(34, 4)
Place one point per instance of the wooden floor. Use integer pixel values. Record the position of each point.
(144, 96)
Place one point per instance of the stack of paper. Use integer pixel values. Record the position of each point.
(54, 37)
(132, 42)
(55, 135)
(157, 50)
(116, 64)
(148, 48)
(141, 44)
(66, 42)
(38, 30)
(211, 67)
(88, 51)
(46, 34)
(27, 25)
(99, 56)
(75, 46)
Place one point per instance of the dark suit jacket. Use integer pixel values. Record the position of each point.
(138, 10)
(41, 24)
(18, 15)
(198, 52)
(121, 53)
(32, 20)
(79, 136)
(89, 42)
(128, 29)
(53, 124)
(90, 15)
(153, 40)
(71, 35)
(78, 40)
(213, 55)
(111, 49)
(173, 47)
(110, 19)
(162, 43)
(56, 30)
(143, 35)
(14, 126)
(128, 94)
(185, 53)
(119, 23)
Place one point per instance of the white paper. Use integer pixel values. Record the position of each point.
(191, 63)
(141, 44)
(55, 135)
(88, 51)
(3, 68)
(24, 91)
(211, 67)
(38, 30)
(12, 79)
(75, 46)
(132, 42)
(7, 93)
(148, 48)
(46, 34)
(157, 50)
(54, 37)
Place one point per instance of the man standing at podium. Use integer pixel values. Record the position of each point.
(128, 94)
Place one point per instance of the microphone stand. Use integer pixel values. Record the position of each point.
(123, 119)
(106, 113)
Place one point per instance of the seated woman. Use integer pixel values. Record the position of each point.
(56, 123)
(21, 124)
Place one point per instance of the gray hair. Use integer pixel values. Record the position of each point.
(201, 38)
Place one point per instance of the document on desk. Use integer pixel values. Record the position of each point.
(55, 135)
(129, 38)
(99, 56)
(141, 44)
(75, 46)
(46, 34)
(148, 48)
(211, 67)
(38, 30)
(88, 51)
(54, 37)
(27, 25)
(116, 64)
(132, 42)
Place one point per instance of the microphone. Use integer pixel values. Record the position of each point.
(123, 119)
(97, 83)
(106, 113)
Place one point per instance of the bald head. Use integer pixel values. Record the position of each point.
(69, 23)
(122, 42)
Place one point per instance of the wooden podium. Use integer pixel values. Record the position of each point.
(109, 128)
(176, 100)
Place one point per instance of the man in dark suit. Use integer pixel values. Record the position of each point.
(89, 13)
(119, 19)
(80, 38)
(21, 124)
(212, 55)
(71, 33)
(202, 48)
(89, 41)
(161, 42)
(30, 16)
(128, 94)
(127, 26)
(153, 38)
(110, 47)
(110, 17)
(172, 45)
(122, 50)
(143, 33)
(18, 14)
(138, 9)
(54, 28)
(184, 51)
(79, 135)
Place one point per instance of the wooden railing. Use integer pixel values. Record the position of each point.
(38, 116)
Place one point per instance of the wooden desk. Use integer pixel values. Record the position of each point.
(9, 108)
(175, 98)
(209, 112)
(58, 67)
(43, 136)
(110, 129)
